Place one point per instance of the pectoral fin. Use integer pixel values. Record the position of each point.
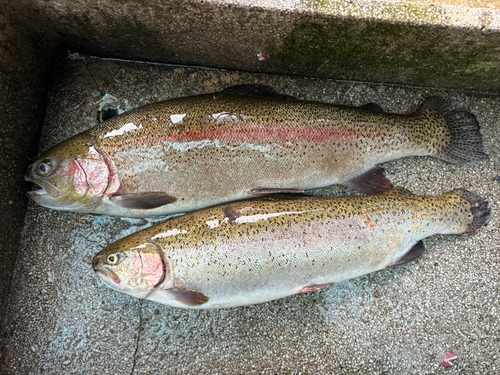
(143, 201)
(187, 297)
(370, 182)
(268, 191)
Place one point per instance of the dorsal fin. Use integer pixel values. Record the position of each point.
(257, 90)
(372, 107)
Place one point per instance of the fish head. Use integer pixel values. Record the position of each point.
(130, 267)
(74, 175)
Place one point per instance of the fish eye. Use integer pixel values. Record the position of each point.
(112, 259)
(44, 168)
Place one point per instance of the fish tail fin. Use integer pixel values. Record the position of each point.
(466, 145)
(479, 210)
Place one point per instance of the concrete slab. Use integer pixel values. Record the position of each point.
(62, 320)
(445, 43)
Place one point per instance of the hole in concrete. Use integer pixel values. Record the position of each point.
(107, 112)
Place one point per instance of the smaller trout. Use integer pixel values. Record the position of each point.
(256, 251)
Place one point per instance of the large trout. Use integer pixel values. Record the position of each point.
(259, 250)
(185, 154)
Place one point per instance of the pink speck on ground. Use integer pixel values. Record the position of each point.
(263, 56)
(447, 357)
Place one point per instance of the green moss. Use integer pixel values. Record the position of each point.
(383, 51)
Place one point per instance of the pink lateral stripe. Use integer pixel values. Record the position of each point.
(267, 134)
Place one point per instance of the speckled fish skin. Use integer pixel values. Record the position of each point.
(189, 153)
(259, 250)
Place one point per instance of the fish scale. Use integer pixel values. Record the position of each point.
(260, 250)
(189, 153)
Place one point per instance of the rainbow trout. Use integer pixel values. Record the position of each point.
(259, 250)
(189, 153)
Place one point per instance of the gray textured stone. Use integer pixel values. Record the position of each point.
(401, 320)
(60, 320)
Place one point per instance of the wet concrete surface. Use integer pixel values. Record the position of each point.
(62, 320)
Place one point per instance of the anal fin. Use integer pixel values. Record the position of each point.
(267, 191)
(188, 297)
(314, 288)
(143, 201)
(370, 182)
(412, 254)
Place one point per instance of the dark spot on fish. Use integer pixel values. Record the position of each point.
(231, 214)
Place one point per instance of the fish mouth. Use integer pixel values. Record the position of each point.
(36, 192)
(107, 276)
(45, 188)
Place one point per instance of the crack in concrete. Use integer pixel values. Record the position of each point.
(138, 339)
